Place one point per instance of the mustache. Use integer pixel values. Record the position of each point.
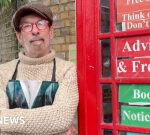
(35, 39)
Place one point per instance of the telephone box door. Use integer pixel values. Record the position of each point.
(113, 64)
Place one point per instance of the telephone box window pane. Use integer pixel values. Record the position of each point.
(130, 133)
(133, 56)
(108, 132)
(106, 58)
(107, 103)
(132, 15)
(105, 20)
(134, 105)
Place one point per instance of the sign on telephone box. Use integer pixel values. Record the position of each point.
(133, 57)
(133, 60)
(135, 113)
(133, 47)
(135, 116)
(134, 67)
(133, 14)
(136, 93)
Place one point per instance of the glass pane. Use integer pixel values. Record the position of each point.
(132, 15)
(130, 133)
(133, 56)
(105, 20)
(134, 105)
(108, 132)
(107, 103)
(106, 58)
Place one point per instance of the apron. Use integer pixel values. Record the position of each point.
(17, 96)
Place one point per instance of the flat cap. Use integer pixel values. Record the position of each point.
(29, 8)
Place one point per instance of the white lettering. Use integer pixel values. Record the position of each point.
(22, 120)
(134, 1)
(127, 46)
(131, 25)
(143, 95)
(1, 120)
(127, 114)
(133, 117)
(148, 68)
(148, 95)
(147, 117)
(135, 65)
(136, 93)
(144, 46)
(133, 16)
(14, 120)
(136, 46)
(140, 94)
(140, 116)
(143, 67)
(6, 119)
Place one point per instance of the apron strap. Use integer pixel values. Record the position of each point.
(15, 73)
(54, 71)
(53, 79)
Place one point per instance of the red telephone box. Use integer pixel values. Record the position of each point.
(113, 63)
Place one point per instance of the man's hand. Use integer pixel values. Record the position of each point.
(71, 131)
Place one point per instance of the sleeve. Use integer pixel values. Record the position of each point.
(3, 96)
(53, 119)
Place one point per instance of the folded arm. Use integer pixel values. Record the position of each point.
(48, 119)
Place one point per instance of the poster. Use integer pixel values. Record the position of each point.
(136, 93)
(133, 46)
(135, 116)
(133, 14)
(133, 67)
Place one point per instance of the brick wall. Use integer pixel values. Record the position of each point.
(64, 41)
(9, 46)
(8, 43)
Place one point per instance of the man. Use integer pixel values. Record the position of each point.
(38, 90)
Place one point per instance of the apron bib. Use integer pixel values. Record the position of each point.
(19, 97)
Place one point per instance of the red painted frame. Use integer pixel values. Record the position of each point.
(89, 69)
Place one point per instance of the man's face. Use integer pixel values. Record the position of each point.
(36, 42)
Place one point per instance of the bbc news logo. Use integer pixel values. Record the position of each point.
(12, 120)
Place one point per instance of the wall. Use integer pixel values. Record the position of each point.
(9, 46)
(8, 43)
(64, 41)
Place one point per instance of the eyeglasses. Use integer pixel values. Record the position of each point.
(28, 27)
